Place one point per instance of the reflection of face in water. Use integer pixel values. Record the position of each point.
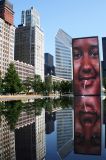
(86, 66)
(87, 125)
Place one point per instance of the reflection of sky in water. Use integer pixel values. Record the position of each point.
(51, 145)
(51, 140)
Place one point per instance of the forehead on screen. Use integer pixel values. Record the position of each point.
(85, 40)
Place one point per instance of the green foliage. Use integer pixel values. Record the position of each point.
(56, 86)
(48, 85)
(66, 86)
(12, 111)
(12, 83)
(27, 84)
(38, 104)
(104, 82)
(66, 102)
(37, 84)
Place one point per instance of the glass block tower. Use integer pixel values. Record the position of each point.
(63, 58)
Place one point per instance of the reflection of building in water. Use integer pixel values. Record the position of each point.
(25, 142)
(25, 119)
(40, 136)
(25, 136)
(64, 131)
(30, 136)
(7, 141)
(49, 120)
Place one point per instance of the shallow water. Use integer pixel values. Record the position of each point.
(42, 129)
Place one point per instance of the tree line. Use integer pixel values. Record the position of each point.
(12, 84)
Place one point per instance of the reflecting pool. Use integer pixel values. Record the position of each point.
(51, 129)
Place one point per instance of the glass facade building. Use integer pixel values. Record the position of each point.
(63, 51)
(30, 17)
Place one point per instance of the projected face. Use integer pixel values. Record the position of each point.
(87, 125)
(86, 66)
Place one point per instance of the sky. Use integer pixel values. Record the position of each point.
(78, 18)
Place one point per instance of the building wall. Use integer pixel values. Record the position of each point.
(48, 59)
(7, 36)
(39, 52)
(49, 66)
(63, 55)
(6, 11)
(24, 70)
(104, 53)
(30, 17)
(29, 42)
(22, 44)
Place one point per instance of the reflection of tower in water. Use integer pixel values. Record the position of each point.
(7, 141)
(64, 131)
(25, 136)
(40, 136)
(49, 120)
(30, 136)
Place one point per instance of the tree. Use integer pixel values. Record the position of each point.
(27, 84)
(66, 86)
(48, 83)
(12, 83)
(12, 111)
(104, 82)
(37, 84)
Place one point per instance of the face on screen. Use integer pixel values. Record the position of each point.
(87, 125)
(86, 66)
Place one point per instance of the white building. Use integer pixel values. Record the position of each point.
(7, 36)
(63, 51)
(30, 17)
(24, 70)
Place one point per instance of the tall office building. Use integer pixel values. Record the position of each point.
(29, 41)
(49, 64)
(104, 56)
(63, 45)
(48, 59)
(30, 17)
(7, 35)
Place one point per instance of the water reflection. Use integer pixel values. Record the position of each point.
(44, 129)
(87, 125)
(65, 129)
(23, 126)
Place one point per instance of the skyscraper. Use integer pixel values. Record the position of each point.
(29, 41)
(63, 43)
(49, 65)
(30, 17)
(48, 59)
(7, 35)
(104, 56)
